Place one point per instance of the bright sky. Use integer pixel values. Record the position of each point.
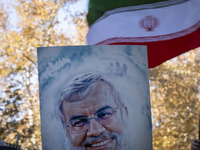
(64, 18)
(79, 6)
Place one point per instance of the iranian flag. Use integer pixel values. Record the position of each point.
(168, 27)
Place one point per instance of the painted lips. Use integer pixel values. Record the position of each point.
(100, 143)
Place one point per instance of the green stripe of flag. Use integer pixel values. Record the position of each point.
(98, 7)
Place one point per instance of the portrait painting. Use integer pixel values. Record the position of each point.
(94, 98)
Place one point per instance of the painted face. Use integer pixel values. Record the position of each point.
(100, 131)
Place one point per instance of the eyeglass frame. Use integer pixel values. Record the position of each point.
(88, 120)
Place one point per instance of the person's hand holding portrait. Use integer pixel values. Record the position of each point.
(195, 145)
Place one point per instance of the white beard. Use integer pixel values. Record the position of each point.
(121, 141)
(70, 146)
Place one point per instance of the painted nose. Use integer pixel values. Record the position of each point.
(95, 128)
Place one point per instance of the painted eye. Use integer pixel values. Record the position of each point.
(105, 114)
(79, 122)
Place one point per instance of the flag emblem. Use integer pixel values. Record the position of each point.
(149, 23)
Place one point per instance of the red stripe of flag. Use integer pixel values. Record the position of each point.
(161, 51)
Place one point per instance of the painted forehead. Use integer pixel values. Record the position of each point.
(101, 97)
(100, 90)
(101, 86)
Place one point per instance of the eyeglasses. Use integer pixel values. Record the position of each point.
(80, 125)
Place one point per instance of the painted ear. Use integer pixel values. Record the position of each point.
(126, 110)
(67, 131)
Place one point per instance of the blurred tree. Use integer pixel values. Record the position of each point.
(174, 85)
(175, 101)
(37, 26)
